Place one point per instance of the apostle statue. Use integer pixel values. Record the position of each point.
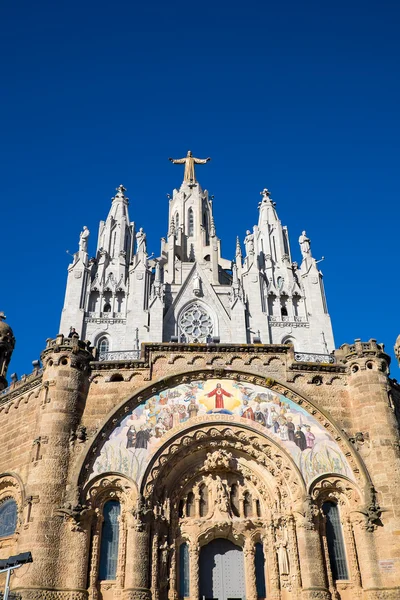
(189, 161)
(249, 243)
(305, 245)
(83, 239)
(141, 241)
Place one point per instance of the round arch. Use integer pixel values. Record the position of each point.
(143, 394)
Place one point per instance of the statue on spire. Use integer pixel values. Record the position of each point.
(305, 245)
(189, 161)
(83, 239)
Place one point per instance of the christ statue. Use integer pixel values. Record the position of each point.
(189, 161)
(219, 394)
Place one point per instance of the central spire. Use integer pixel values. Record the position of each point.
(189, 161)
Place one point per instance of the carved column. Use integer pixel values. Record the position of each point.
(154, 566)
(94, 559)
(137, 561)
(366, 551)
(194, 557)
(173, 584)
(272, 564)
(352, 555)
(295, 572)
(250, 569)
(312, 564)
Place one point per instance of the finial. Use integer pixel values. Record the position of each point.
(2, 316)
(266, 194)
(120, 189)
(238, 247)
(212, 227)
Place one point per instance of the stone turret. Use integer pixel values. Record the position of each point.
(372, 420)
(63, 393)
(7, 343)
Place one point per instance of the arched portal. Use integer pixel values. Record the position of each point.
(224, 464)
(222, 571)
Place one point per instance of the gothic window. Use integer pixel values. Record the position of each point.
(190, 222)
(190, 507)
(94, 298)
(107, 307)
(8, 517)
(334, 538)
(195, 323)
(247, 505)
(183, 570)
(109, 541)
(120, 301)
(284, 312)
(103, 345)
(203, 501)
(259, 563)
(235, 500)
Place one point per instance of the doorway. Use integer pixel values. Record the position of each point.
(222, 571)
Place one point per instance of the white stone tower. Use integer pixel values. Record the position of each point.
(190, 293)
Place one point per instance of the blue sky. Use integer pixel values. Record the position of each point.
(299, 97)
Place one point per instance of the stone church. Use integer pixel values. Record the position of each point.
(192, 432)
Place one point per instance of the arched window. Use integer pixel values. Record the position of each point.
(109, 541)
(247, 505)
(190, 508)
(103, 345)
(203, 501)
(183, 570)
(235, 500)
(107, 307)
(190, 222)
(334, 538)
(8, 517)
(259, 563)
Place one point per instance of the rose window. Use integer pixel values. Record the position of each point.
(195, 324)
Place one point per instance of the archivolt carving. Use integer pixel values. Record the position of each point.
(220, 444)
(110, 486)
(335, 488)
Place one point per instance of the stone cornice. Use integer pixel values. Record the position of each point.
(150, 348)
(21, 387)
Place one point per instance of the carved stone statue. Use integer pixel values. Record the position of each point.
(222, 505)
(141, 241)
(83, 239)
(283, 556)
(249, 242)
(305, 245)
(189, 161)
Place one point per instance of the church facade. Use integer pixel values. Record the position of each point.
(192, 432)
